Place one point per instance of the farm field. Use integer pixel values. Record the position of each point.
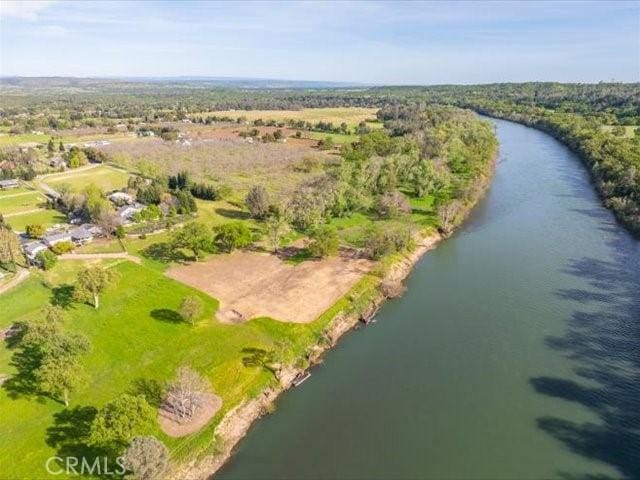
(136, 322)
(106, 177)
(352, 116)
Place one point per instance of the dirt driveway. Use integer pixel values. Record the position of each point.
(252, 284)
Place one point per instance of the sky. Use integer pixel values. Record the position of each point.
(363, 42)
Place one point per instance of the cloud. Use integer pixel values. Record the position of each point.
(52, 31)
(22, 10)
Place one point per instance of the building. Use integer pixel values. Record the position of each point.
(81, 235)
(127, 212)
(11, 183)
(56, 237)
(31, 250)
(121, 198)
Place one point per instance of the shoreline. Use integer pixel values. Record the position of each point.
(237, 422)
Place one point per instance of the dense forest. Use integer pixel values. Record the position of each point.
(600, 122)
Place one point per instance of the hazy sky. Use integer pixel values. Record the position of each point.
(370, 42)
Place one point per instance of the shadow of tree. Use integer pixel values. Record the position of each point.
(165, 252)
(603, 339)
(62, 295)
(152, 390)
(69, 435)
(235, 214)
(167, 315)
(26, 361)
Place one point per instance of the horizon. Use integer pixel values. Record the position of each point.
(362, 43)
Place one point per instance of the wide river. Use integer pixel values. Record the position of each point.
(515, 352)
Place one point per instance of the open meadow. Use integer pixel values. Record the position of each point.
(106, 177)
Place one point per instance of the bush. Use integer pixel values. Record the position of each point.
(325, 241)
(204, 191)
(232, 235)
(257, 202)
(393, 204)
(191, 308)
(388, 240)
(35, 230)
(62, 247)
(47, 259)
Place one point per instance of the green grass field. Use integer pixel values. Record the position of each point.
(136, 336)
(47, 218)
(105, 177)
(20, 202)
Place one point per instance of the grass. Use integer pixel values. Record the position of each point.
(13, 191)
(43, 217)
(337, 138)
(20, 202)
(107, 178)
(101, 246)
(136, 335)
(351, 116)
(11, 140)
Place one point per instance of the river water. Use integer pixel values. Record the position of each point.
(515, 352)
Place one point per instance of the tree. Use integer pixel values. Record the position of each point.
(277, 227)
(448, 213)
(76, 158)
(10, 249)
(186, 394)
(392, 204)
(194, 236)
(91, 282)
(61, 146)
(62, 247)
(47, 259)
(120, 420)
(257, 202)
(147, 458)
(326, 143)
(57, 376)
(35, 230)
(51, 147)
(191, 308)
(232, 235)
(324, 241)
(53, 313)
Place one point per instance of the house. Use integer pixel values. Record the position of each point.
(31, 249)
(57, 162)
(81, 235)
(121, 198)
(126, 212)
(7, 184)
(56, 237)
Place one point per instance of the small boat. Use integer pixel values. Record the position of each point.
(300, 378)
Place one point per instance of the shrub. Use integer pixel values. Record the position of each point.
(47, 259)
(324, 242)
(232, 235)
(35, 230)
(62, 247)
(147, 458)
(191, 308)
(393, 204)
(388, 240)
(257, 202)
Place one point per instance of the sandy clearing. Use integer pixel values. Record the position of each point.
(253, 284)
(174, 428)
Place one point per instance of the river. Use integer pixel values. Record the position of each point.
(515, 352)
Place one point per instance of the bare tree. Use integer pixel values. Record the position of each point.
(448, 213)
(186, 394)
(147, 458)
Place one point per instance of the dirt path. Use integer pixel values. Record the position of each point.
(23, 212)
(22, 275)
(107, 256)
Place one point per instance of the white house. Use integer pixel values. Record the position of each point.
(126, 212)
(31, 249)
(81, 235)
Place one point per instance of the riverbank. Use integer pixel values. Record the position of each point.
(237, 422)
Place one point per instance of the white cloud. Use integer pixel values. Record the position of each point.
(52, 31)
(23, 10)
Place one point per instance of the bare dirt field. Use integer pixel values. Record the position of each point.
(253, 284)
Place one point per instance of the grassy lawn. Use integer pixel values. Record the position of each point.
(101, 246)
(13, 191)
(135, 336)
(20, 202)
(43, 217)
(107, 178)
